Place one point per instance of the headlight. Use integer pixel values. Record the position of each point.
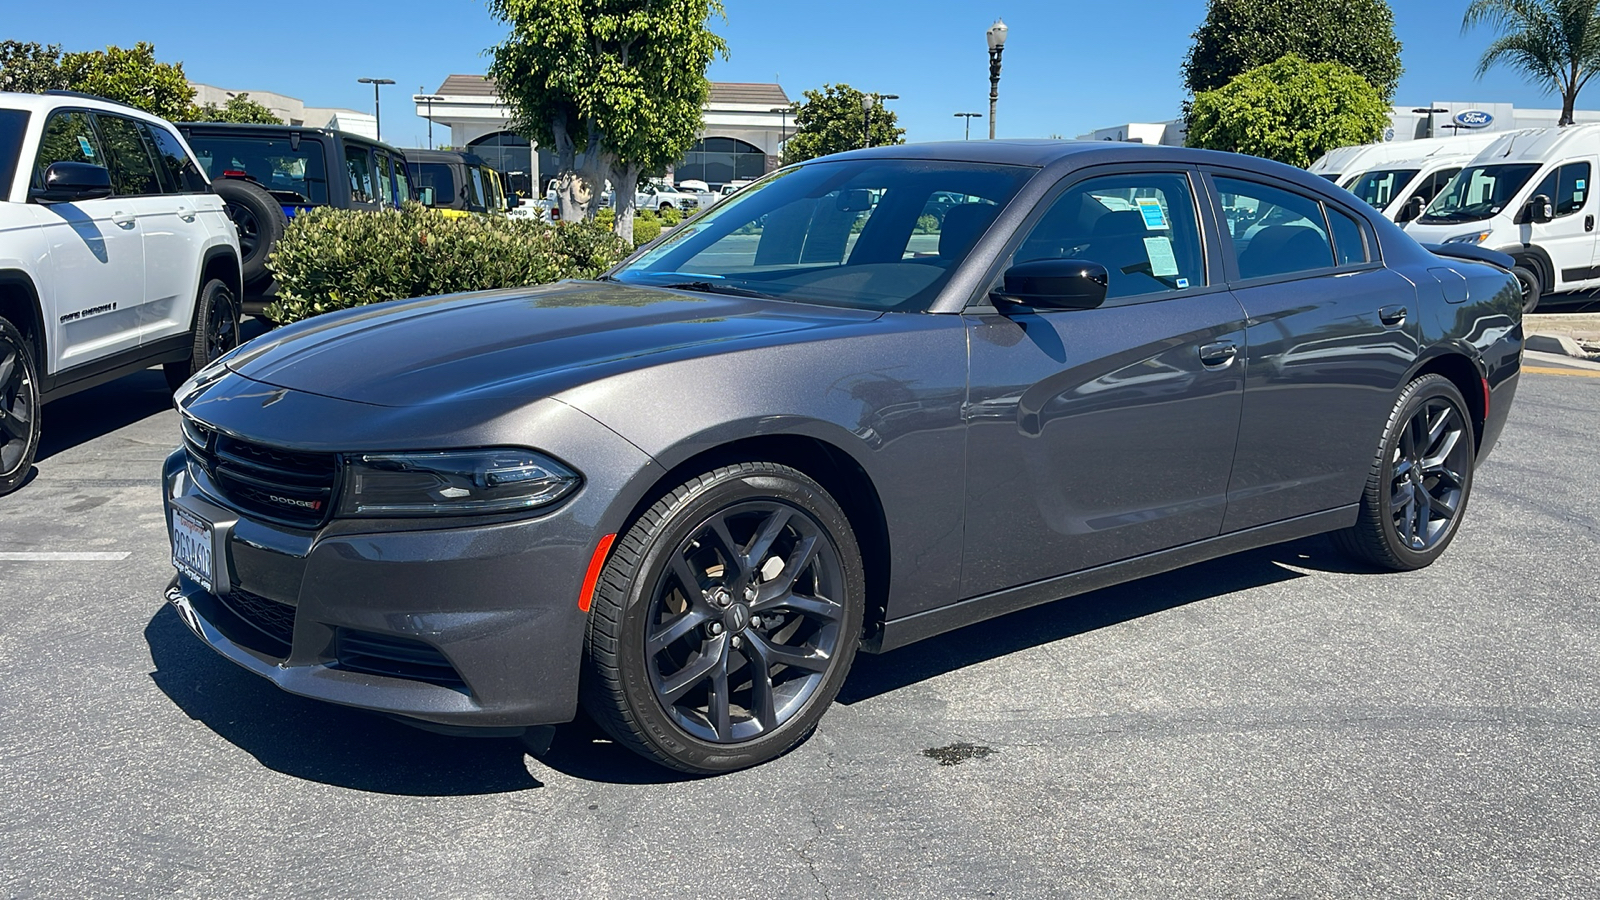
(454, 482)
(1476, 237)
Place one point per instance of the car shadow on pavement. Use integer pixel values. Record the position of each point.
(322, 742)
(99, 411)
(874, 675)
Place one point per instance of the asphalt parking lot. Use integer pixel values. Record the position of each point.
(1276, 724)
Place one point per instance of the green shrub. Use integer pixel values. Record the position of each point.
(333, 259)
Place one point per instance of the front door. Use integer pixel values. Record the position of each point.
(1102, 434)
(1569, 238)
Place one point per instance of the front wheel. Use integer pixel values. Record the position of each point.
(216, 331)
(1420, 479)
(725, 620)
(19, 408)
(1531, 289)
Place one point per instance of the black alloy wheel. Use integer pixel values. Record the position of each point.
(726, 620)
(216, 331)
(19, 408)
(1420, 481)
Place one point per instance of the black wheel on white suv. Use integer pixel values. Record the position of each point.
(216, 331)
(19, 408)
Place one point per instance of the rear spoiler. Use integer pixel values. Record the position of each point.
(1471, 253)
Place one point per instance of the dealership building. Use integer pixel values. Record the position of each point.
(744, 128)
(1406, 123)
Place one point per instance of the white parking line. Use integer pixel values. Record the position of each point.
(45, 556)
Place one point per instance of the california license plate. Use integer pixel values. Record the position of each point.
(191, 547)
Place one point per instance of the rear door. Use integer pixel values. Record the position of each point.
(1102, 434)
(1332, 334)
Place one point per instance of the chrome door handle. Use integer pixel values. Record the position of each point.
(1218, 355)
(123, 220)
(1392, 315)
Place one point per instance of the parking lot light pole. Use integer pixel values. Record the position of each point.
(969, 117)
(1430, 110)
(377, 113)
(783, 134)
(997, 46)
(428, 99)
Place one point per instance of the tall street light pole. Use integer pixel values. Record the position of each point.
(1430, 110)
(428, 99)
(867, 102)
(997, 46)
(969, 117)
(783, 135)
(377, 113)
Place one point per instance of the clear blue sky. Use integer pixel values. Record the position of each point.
(1069, 67)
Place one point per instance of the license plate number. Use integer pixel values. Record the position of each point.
(191, 547)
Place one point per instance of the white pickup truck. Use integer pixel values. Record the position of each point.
(114, 256)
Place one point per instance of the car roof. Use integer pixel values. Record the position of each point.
(251, 128)
(414, 154)
(73, 100)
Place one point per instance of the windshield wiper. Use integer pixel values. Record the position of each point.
(716, 287)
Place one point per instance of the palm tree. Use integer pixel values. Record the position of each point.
(1555, 43)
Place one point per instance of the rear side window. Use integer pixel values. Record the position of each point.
(183, 175)
(439, 177)
(358, 163)
(13, 125)
(1275, 232)
(1348, 241)
(402, 181)
(384, 181)
(69, 136)
(133, 170)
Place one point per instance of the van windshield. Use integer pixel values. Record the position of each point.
(1478, 192)
(1379, 189)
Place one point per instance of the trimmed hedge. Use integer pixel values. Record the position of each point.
(332, 259)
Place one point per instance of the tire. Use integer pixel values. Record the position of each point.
(1421, 478)
(216, 331)
(644, 681)
(260, 221)
(19, 408)
(1532, 291)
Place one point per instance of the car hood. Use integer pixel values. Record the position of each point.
(524, 342)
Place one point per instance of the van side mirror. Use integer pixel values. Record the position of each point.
(67, 182)
(1412, 209)
(1539, 210)
(1055, 284)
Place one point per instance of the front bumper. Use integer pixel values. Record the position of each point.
(456, 623)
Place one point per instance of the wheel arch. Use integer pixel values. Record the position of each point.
(836, 470)
(222, 262)
(19, 305)
(1536, 258)
(1468, 378)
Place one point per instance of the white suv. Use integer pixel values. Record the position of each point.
(114, 256)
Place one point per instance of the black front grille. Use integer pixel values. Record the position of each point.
(396, 657)
(289, 486)
(272, 619)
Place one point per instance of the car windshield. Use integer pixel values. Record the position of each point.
(879, 234)
(1378, 189)
(291, 174)
(1478, 192)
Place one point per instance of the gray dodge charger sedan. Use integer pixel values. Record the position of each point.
(869, 399)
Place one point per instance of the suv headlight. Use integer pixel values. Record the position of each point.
(1476, 237)
(453, 482)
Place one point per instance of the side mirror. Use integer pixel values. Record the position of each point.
(66, 182)
(1412, 209)
(1539, 210)
(1055, 284)
(425, 196)
(513, 201)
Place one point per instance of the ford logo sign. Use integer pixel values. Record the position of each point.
(1474, 118)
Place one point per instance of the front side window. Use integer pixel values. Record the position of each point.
(1478, 193)
(1567, 187)
(1274, 231)
(182, 174)
(1378, 189)
(69, 136)
(133, 170)
(358, 162)
(1142, 228)
(838, 233)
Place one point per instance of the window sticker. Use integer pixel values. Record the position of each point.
(85, 146)
(1182, 283)
(1580, 184)
(1162, 263)
(1150, 208)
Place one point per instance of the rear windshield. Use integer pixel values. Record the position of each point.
(1477, 193)
(13, 122)
(291, 175)
(1379, 189)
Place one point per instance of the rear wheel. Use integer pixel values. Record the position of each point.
(259, 220)
(216, 331)
(19, 408)
(726, 620)
(1531, 289)
(1420, 480)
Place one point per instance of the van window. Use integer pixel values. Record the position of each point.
(1567, 188)
(1378, 189)
(1477, 193)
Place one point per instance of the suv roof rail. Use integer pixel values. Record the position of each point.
(86, 96)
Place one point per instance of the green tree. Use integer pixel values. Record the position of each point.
(1290, 110)
(239, 108)
(1240, 35)
(1554, 43)
(615, 87)
(831, 121)
(30, 68)
(132, 77)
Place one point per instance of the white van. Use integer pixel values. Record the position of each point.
(1336, 165)
(1401, 178)
(1527, 195)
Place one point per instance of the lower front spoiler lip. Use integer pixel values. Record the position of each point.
(398, 697)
